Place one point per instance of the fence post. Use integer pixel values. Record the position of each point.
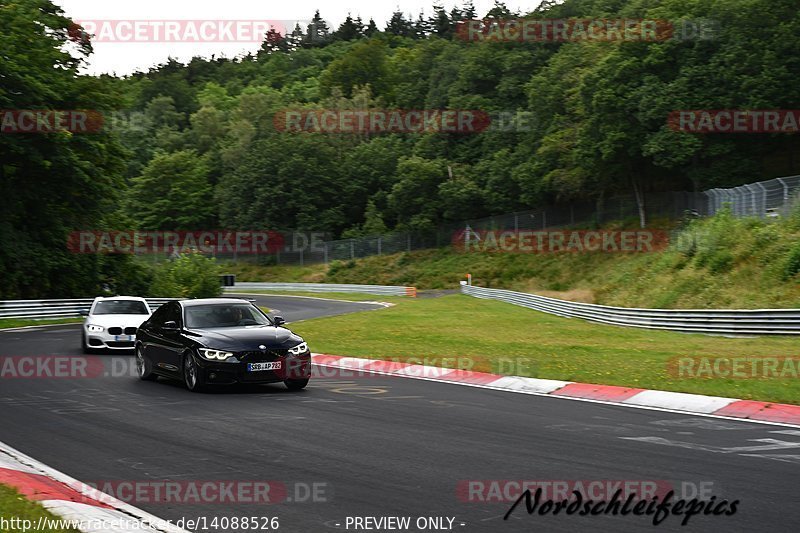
(325, 252)
(408, 242)
(753, 207)
(352, 250)
(763, 200)
(785, 196)
(379, 245)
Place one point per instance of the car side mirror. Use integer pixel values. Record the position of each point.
(84, 312)
(170, 325)
(279, 320)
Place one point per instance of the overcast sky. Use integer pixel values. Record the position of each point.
(124, 58)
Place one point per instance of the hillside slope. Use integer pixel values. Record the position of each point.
(720, 262)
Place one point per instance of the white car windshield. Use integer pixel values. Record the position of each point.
(224, 316)
(120, 307)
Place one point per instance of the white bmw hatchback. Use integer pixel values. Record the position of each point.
(111, 323)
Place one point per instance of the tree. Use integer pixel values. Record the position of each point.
(399, 25)
(53, 183)
(317, 33)
(440, 22)
(413, 199)
(274, 42)
(191, 275)
(499, 11)
(173, 193)
(422, 27)
(364, 64)
(348, 30)
(468, 10)
(371, 29)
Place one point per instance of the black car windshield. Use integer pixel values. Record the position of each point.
(120, 307)
(223, 316)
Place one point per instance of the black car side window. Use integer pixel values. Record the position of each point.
(159, 316)
(174, 313)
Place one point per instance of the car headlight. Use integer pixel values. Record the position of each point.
(299, 349)
(94, 328)
(213, 355)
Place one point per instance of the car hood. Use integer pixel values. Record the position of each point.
(124, 321)
(246, 338)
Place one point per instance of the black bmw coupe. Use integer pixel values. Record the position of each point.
(220, 341)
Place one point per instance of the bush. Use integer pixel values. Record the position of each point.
(190, 276)
(720, 262)
(125, 274)
(792, 266)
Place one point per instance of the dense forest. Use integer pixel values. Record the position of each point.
(195, 146)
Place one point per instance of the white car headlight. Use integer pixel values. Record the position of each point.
(95, 328)
(214, 355)
(299, 349)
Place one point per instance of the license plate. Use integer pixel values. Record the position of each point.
(123, 337)
(258, 367)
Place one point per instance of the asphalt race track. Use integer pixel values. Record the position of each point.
(379, 446)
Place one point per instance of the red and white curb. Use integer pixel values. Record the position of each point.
(88, 509)
(776, 413)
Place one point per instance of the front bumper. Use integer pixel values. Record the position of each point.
(293, 367)
(104, 340)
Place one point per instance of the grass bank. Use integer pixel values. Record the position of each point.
(503, 338)
(6, 323)
(14, 505)
(719, 262)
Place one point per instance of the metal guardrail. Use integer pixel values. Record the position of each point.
(713, 321)
(389, 290)
(57, 308)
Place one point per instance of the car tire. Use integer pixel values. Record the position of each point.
(192, 374)
(143, 368)
(296, 384)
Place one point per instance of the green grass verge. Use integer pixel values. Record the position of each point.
(22, 322)
(347, 296)
(15, 505)
(494, 335)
